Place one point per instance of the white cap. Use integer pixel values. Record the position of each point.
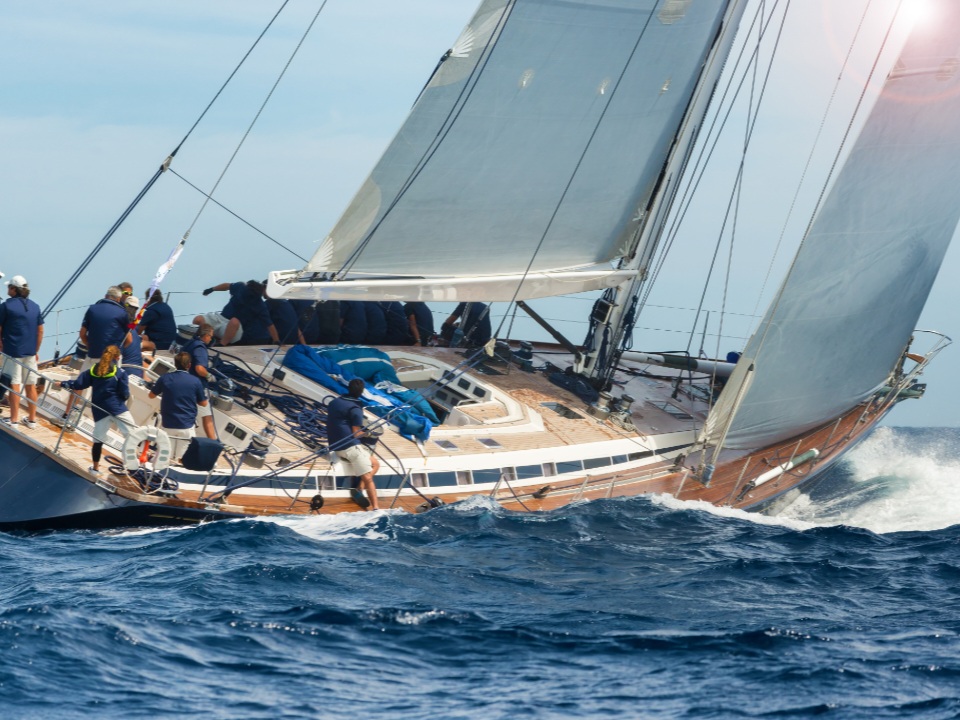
(132, 301)
(17, 281)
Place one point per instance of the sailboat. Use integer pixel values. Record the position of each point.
(548, 154)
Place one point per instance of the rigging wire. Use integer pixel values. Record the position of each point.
(238, 217)
(160, 170)
(209, 196)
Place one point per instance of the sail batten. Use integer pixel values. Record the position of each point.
(535, 144)
(848, 307)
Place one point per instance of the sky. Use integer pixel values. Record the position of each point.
(94, 95)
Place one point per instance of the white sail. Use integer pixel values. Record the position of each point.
(530, 155)
(850, 302)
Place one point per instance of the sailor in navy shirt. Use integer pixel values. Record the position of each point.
(181, 394)
(21, 332)
(104, 324)
(476, 325)
(344, 430)
(244, 319)
(420, 320)
(199, 356)
(157, 324)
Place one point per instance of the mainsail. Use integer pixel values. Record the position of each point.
(530, 155)
(849, 305)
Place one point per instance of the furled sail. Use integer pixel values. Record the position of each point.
(531, 154)
(849, 304)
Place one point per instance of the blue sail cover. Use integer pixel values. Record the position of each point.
(334, 368)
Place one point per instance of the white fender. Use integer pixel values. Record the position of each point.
(131, 448)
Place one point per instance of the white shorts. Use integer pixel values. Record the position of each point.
(123, 422)
(179, 440)
(219, 324)
(22, 371)
(356, 460)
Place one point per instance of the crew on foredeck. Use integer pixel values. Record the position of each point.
(105, 323)
(132, 353)
(244, 319)
(21, 333)
(110, 392)
(182, 397)
(158, 328)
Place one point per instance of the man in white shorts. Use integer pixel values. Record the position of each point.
(344, 430)
(21, 333)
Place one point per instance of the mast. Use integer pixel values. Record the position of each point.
(614, 313)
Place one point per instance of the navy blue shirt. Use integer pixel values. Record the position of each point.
(247, 306)
(20, 319)
(422, 317)
(343, 414)
(198, 356)
(476, 330)
(159, 325)
(376, 324)
(106, 322)
(110, 392)
(133, 355)
(328, 322)
(398, 331)
(307, 320)
(284, 318)
(353, 325)
(179, 392)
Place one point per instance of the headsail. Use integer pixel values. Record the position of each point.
(531, 154)
(861, 277)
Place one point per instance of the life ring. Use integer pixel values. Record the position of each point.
(131, 448)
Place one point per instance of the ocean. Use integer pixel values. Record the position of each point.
(845, 605)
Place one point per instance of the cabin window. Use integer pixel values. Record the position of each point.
(486, 475)
(490, 443)
(387, 482)
(439, 479)
(464, 384)
(446, 445)
(619, 459)
(592, 463)
(569, 466)
(639, 455)
(529, 471)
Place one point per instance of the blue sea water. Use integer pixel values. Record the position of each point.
(845, 604)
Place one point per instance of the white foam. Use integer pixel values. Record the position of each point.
(673, 503)
(909, 482)
(346, 525)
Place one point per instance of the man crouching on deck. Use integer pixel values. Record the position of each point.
(344, 430)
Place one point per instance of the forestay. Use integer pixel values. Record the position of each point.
(533, 150)
(861, 277)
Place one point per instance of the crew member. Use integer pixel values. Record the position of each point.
(199, 357)
(475, 326)
(157, 327)
(420, 321)
(110, 391)
(344, 430)
(181, 395)
(244, 318)
(21, 333)
(105, 323)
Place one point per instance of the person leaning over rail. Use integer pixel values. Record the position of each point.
(21, 333)
(110, 391)
(344, 430)
(244, 319)
(182, 396)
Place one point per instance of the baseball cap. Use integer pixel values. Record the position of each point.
(131, 301)
(18, 281)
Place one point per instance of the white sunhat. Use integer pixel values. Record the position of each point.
(17, 281)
